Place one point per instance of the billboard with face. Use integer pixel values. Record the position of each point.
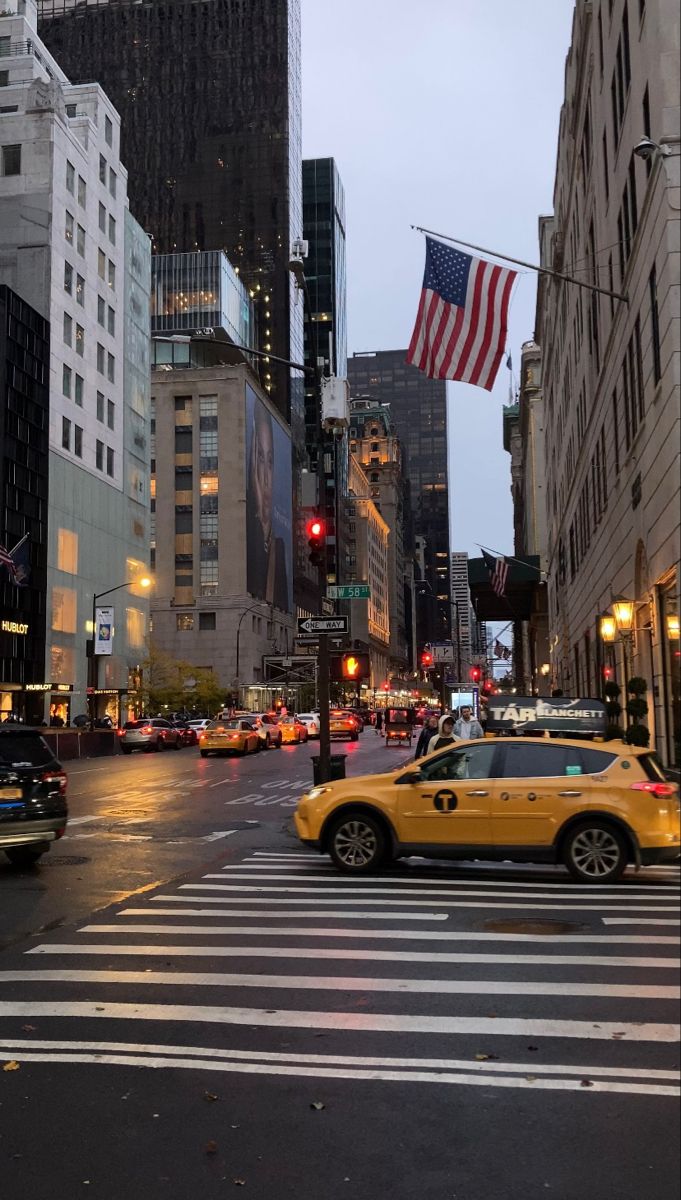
(269, 516)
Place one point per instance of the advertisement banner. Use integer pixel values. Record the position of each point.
(269, 505)
(104, 623)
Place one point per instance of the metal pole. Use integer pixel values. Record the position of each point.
(324, 732)
(92, 664)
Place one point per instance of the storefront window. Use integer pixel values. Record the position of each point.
(669, 605)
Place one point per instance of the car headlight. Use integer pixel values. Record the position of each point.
(316, 792)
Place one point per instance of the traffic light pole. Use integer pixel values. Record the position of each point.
(324, 704)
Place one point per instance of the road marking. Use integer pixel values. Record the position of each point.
(354, 895)
(83, 820)
(639, 921)
(407, 935)
(412, 1064)
(355, 1022)
(388, 883)
(215, 837)
(319, 954)
(325, 870)
(276, 916)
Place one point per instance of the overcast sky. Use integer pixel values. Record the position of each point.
(442, 114)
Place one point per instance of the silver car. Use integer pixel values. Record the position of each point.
(149, 733)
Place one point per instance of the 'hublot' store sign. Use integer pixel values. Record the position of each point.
(24, 421)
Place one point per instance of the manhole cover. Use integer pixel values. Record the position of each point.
(64, 860)
(534, 926)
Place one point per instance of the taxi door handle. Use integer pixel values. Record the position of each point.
(569, 793)
(477, 793)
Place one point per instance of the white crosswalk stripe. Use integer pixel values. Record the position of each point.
(416, 978)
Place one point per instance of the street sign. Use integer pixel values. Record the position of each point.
(322, 625)
(348, 591)
(327, 606)
(443, 652)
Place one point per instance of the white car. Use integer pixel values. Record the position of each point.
(199, 725)
(311, 723)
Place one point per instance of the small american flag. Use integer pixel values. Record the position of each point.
(6, 560)
(17, 562)
(498, 572)
(461, 326)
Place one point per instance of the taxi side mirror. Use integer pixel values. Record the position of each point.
(411, 777)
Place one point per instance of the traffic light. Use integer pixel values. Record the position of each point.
(475, 674)
(349, 668)
(426, 660)
(316, 540)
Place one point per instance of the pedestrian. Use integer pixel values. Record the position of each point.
(427, 734)
(379, 720)
(467, 726)
(444, 735)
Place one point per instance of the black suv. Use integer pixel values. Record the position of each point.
(33, 809)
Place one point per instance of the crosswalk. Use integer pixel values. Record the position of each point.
(408, 975)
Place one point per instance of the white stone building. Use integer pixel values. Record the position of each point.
(70, 247)
(611, 366)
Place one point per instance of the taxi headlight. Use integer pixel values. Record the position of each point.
(316, 792)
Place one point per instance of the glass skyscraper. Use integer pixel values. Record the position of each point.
(210, 101)
(418, 408)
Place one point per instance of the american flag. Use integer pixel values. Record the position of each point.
(461, 326)
(17, 562)
(498, 572)
(501, 651)
(6, 560)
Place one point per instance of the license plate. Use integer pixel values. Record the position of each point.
(8, 793)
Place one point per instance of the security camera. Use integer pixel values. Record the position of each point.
(646, 149)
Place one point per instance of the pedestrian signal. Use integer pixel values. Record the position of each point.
(349, 668)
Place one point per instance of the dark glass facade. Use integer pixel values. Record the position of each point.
(418, 408)
(24, 465)
(209, 95)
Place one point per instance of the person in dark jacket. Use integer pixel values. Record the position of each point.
(379, 720)
(427, 734)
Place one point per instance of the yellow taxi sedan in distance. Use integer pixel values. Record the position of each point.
(343, 725)
(293, 732)
(593, 807)
(233, 736)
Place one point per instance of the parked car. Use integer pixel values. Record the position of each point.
(199, 723)
(311, 723)
(293, 731)
(593, 808)
(33, 809)
(235, 736)
(149, 733)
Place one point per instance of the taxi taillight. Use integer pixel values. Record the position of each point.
(661, 791)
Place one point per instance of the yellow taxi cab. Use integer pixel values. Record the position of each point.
(234, 736)
(594, 807)
(343, 725)
(292, 731)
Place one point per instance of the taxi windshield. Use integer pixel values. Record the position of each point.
(232, 724)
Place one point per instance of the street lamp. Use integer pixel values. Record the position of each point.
(254, 608)
(623, 611)
(608, 628)
(93, 671)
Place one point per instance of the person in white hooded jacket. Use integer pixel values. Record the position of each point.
(445, 734)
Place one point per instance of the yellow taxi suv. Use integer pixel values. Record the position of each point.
(594, 807)
(343, 725)
(234, 736)
(293, 732)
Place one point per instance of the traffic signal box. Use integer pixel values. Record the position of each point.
(316, 540)
(349, 668)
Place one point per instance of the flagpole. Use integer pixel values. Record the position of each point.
(14, 549)
(519, 262)
(510, 558)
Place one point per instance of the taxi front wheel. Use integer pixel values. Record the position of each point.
(595, 852)
(357, 843)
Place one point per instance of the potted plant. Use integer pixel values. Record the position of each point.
(614, 710)
(638, 734)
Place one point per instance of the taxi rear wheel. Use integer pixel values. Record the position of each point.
(357, 843)
(595, 852)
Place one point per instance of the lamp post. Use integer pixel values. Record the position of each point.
(91, 646)
(619, 624)
(254, 608)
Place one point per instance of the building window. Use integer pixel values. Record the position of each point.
(207, 621)
(4, 79)
(78, 441)
(80, 291)
(67, 551)
(69, 227)
(82, 192)
(111, 321)
(135, 628)
(68, 330)
(64, 610)
(65, 433)
(101, 264)
(102, 217)
(655, 327)
(99, 455)
(68, 278)
(113, 180)
(11, 160)
(80, 241)
(78, 395)
(109, 461)
(101, 311)
(102, 169)
(110, 368)
(100, 407)
(184, 622)
(108, 131)
(111, 272)
(184, 521)
(112, 230)
(66, 378)
(80, 340)
(110, 413)
(101, 352)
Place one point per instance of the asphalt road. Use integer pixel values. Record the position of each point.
(191, 1003)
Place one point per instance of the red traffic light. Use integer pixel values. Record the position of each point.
(316, 540)
(475, 674)
(316, 528)
(426, 659)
